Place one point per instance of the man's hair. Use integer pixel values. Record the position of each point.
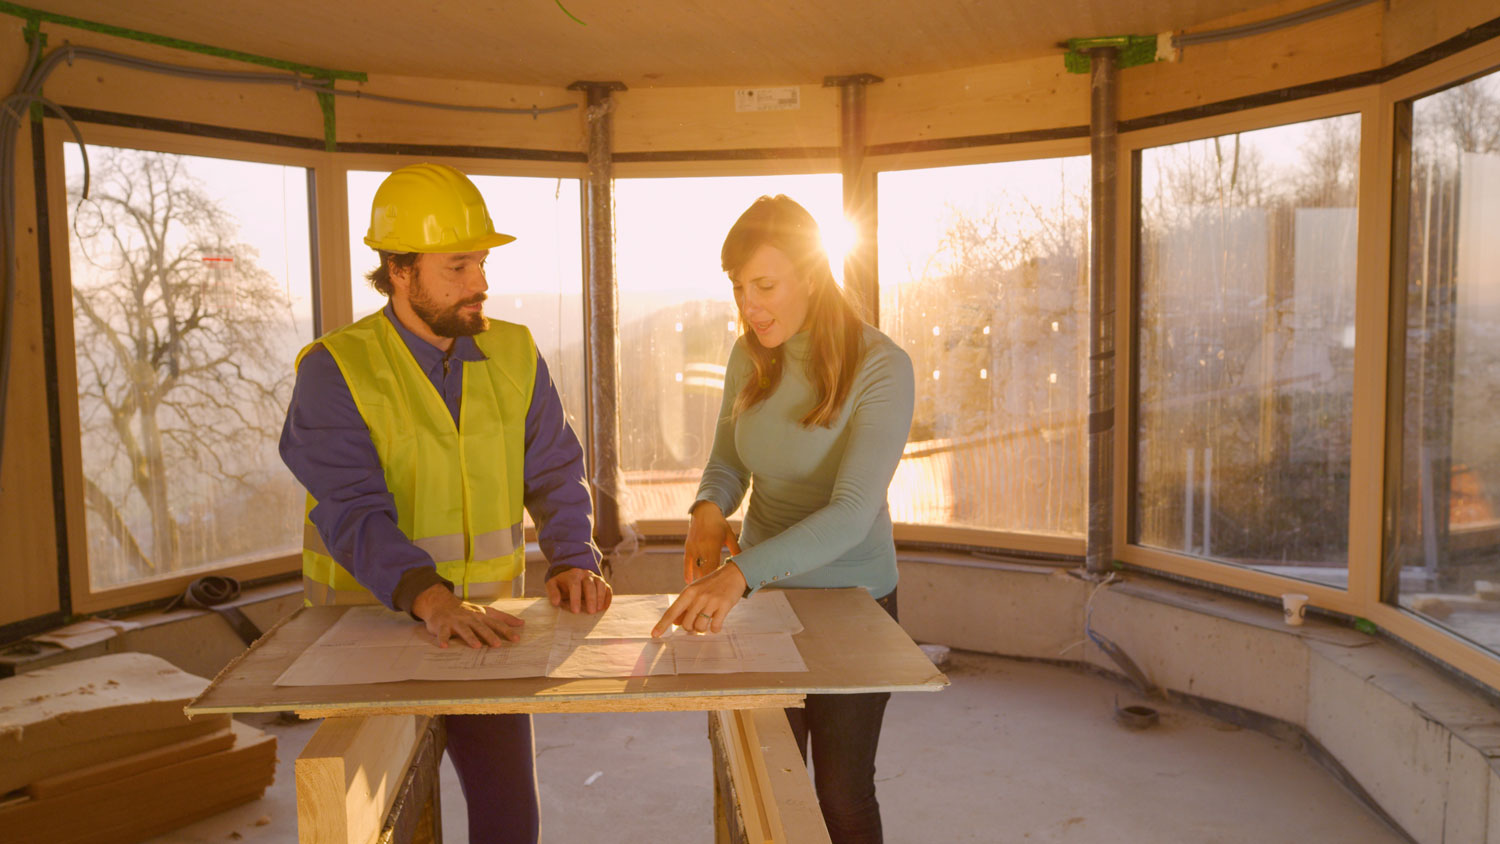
(380, 277)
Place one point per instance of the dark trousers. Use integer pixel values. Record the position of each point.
(495, 756)
(845, 730)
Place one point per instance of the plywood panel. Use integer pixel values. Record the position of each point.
(256, 107)
(1018, 96)
(684, 43)
(849, 644)
(279, 109)
(671, 119)
(1324, 49)
(28, 574)
(370, 121)
(1414, 25)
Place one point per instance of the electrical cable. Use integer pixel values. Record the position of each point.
(28, 92)
(1311, 13)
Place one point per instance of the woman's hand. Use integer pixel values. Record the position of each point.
(704, 603)
(708, 534)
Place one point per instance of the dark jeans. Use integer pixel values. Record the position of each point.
(845, 730)
(495, 756)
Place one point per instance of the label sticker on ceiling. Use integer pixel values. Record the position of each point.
(767, 99)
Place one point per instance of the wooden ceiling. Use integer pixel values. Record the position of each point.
(646, 43)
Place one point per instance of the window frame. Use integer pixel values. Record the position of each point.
(1377, 320)
(328, 218)
(991, 540)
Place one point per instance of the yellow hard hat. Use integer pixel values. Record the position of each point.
(430, 208)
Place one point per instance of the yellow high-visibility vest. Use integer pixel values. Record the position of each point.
(458, 491)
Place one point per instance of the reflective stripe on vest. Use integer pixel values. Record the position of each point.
(319, 594)
(496, 543)
(457, 489)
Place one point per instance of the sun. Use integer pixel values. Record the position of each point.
(839, 239)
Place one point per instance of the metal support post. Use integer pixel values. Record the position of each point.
(859, 192)
(1103, 152)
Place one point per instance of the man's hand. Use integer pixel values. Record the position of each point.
(581, 588)
(447, 615)
(704, 603)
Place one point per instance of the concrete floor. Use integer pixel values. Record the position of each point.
(1012, 751)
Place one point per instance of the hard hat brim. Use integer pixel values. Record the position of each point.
(489, 241)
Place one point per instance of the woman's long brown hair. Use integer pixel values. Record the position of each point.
(836, 331)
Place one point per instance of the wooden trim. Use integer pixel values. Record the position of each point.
(335, 276)
(68, 425)
(1126, 284)
(345, 162)
(1278, 114)
(964, 155)
(918, 534)
(1445, 72)
(1031, 543)
(1239, 577)
(664, 169)
(1438, 643)
(1371, 321)
(86, 601)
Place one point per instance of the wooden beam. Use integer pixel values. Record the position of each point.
(349, 774)
(763, 794)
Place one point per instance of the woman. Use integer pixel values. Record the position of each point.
(817, 408)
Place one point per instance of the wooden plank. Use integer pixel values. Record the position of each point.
(76, 714)
(151, 802)
(763, 792)
(1413, 26)
(800, 816)
(548, 705)
(348, 775)
(28, 579)
(753, 803)
(416, 816)
(127, 766)
(849, 645)
(1327, 48)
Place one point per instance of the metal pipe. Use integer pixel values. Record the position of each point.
(859, 192)
(1103, 151)
(600, 313)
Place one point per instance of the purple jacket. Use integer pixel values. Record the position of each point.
(327, 445)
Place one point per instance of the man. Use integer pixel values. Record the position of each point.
(420, 432)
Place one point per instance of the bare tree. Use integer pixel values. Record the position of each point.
(179, 348)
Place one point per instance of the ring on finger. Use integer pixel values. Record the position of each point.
(707, 615)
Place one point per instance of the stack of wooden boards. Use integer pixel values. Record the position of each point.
(99, 750)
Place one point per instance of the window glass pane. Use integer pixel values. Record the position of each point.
(1246, 347)
(984, 282)
(678, 321)
(191, 296)
(1445, 551)
(535, 280)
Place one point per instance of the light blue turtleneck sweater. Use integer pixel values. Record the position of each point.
(818, 516)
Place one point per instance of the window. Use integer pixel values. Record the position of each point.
(678, 321)
(535, 280)
(1245, 347)
(191, 286)
(984, 282)
(1443, 555)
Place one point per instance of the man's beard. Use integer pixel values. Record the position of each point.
(450, 321)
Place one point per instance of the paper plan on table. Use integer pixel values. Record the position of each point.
(735, 653)
(370, 644)
(376, 645)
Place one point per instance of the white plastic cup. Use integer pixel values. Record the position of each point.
(1293, 608)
